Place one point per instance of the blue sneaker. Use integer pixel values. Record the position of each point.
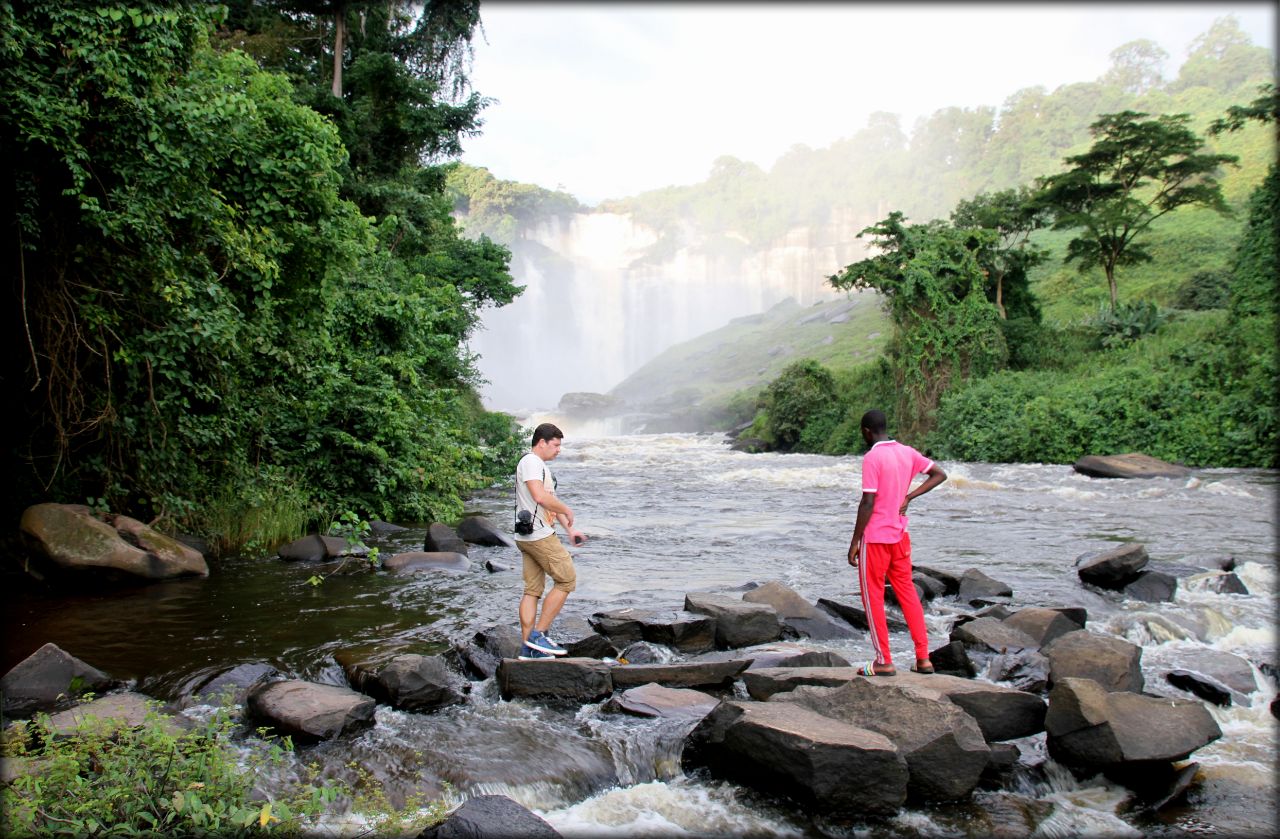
(528, 654)
(540, 642)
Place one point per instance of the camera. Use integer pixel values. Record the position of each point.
(524, 522)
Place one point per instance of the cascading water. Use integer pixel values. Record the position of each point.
(594, 310)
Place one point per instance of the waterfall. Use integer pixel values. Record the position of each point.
(594, 309)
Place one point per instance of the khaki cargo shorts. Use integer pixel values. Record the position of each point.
(544, 558)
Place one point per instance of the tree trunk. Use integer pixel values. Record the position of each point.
(339, 46)
(1111, 285)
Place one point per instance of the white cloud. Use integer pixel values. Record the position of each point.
(611, 100)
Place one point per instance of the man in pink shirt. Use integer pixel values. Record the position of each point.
(881, 546)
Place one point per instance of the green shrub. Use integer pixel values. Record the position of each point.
(1128, 322)
(152, 781)
(1203, 290)
(801, 392)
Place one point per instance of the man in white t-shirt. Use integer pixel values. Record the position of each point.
(537, 511)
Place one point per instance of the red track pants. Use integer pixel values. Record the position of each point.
(877, 562)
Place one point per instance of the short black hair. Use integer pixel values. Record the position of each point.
(874, 421)
(546, 431)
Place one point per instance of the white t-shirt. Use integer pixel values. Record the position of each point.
(533, 468)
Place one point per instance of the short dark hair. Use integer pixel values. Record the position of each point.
(546, 431)
(874, 421)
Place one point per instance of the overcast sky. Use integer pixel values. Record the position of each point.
(606, 100)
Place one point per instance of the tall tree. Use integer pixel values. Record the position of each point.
(1137, 170)
(1012, 215)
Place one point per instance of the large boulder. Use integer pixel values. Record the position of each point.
(1002, 713)
(113, 712)
(798, 615)
(442, 537)
(234, 683)
(653, 700)
(1042, 625)
(989, 635)
(578, 679)
(1091, 728)
(738, 623)
(480, 530)
(74, 542)
(490, 817)
(831, 767)
(410, 562)
(1111, 662)
(47, 679)
(1131, 465)
(1227, 669)
(407, 681)
(1114, 568)
(942, 745)
(683, 674)
(1151, 587)
(309, 712)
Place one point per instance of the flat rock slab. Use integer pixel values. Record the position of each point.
(308, 711)
(568, 678)
(1131, 465)
(490, 817)
(1093, 728)
(684, 674)
(779, 654)
(1002, 713)
(414, 561)
(782, 748)
(47, 679)
(653, 700)
(118, 710)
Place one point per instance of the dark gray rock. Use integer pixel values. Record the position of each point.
(780, 654)
(1024, 670)
(1223, 667)
(408, 681)
(480, 530)
(580, 639)
(953, 659)
(313, 548)
(891, 595)
(1114, 568)
(950, 582)
(621, 626)
(797, 614)
(1111, 662)
(653, 700)
(782, 748)
(1157, 785)
(990, 635)
(1152, 587)
(942, 745)
(855, 616)
(976, 584)
(487, 648)
(738, 623)
(384, 528)
(928, 587)
(577, 679)
(999, 611)
(491, 817)
(1042, 625)
(411, 562)
(443, 538)
(1130, 465)
(1076, 614)
(709, 674)
(1208, 689)
(48, 679)
(495, 567)
(1003, 758)
(1226, 583)
(685, 631)
(642, 652)
(1091, 728)
(308, 712)
(236, 682)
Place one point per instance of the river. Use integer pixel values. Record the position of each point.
(669, 514)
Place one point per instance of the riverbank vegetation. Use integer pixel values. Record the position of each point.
(241, 302)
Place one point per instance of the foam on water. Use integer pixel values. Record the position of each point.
(677, 808)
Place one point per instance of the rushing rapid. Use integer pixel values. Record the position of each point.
(669, 514)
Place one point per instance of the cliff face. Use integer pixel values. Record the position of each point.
(603, 295)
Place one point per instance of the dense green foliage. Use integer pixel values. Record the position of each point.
(230, 306)
(499, 209)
